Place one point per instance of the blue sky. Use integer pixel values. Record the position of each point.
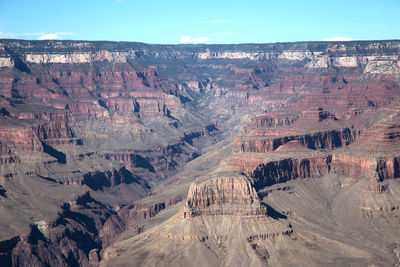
(205, 21)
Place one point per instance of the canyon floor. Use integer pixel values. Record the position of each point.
(129, 154)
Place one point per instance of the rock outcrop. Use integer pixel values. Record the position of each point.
(99, 180)
(68, 240)
(222, 196)
(320, 140)
(273, 172)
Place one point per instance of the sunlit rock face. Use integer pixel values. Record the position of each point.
(222, 196)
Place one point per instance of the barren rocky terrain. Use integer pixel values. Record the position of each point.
(129, 154)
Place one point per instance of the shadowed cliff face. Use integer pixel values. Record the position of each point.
(135, 124)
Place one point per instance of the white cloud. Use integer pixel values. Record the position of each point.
(188, 39)
(49, 36)
(217, 21)
(53, 35)
(337, 38)
(6, 35)
(35, 35)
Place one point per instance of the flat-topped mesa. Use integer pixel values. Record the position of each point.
(223, 196)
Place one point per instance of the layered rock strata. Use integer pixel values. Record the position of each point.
(73, 111)
(222, 196)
